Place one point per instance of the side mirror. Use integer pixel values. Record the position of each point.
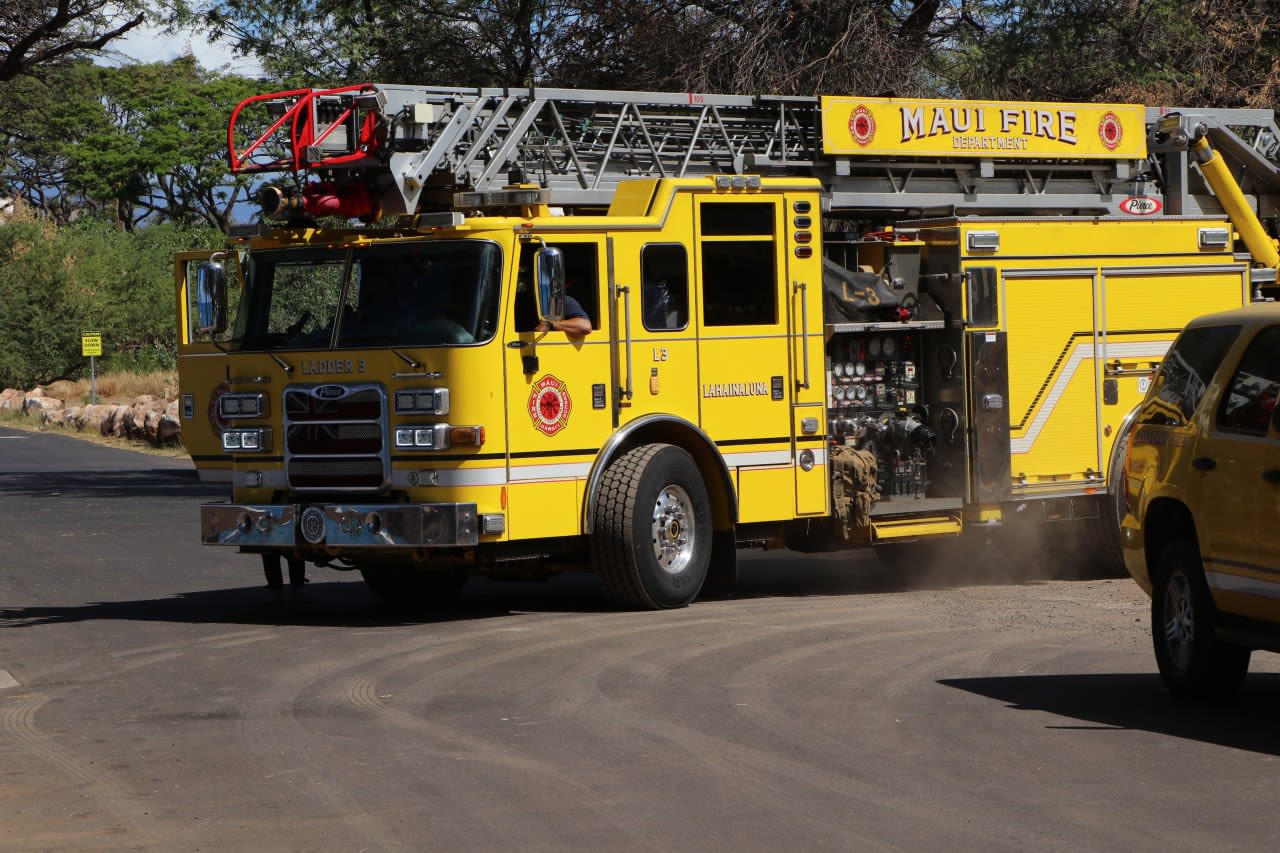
(211, 298)
(548, 283)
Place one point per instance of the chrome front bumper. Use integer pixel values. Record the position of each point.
(340, 526)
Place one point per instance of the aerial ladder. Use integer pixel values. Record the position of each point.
(382, 150)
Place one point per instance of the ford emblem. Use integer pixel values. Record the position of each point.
(330, 392)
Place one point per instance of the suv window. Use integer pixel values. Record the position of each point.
(1250, 401)
(1186, 371)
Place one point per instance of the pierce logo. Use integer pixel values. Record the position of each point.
(1109, 130)
(862, 125)
(549, 405)
(1140, 205)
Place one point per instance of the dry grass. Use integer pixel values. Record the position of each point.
(119, 387)
(114, 388)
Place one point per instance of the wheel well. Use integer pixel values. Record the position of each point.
(664, 429)
(1166, 520)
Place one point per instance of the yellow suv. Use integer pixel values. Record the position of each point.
(1202, 485)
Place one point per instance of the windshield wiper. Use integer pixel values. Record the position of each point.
(288, 368)
(415, 365)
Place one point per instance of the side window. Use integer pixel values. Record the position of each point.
(739, 285)
(664, 297)
(1185, 373)
(582, 283)
(1250, 401)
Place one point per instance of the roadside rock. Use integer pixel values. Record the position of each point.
(11, 399)
(46, 409)
(148, 419)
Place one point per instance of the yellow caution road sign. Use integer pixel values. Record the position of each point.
(91, 343)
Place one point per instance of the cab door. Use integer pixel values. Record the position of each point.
(744, 347)
(656, 346)
(202, 367)
(556, 395)
(1238, 465)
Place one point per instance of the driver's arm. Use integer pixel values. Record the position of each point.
(569, 325)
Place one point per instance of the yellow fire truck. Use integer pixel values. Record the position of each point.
(815, 322)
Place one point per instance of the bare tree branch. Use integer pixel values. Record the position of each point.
(34, 33)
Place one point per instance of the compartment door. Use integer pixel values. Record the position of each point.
(989, 403)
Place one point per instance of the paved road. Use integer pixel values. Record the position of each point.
(150, 699)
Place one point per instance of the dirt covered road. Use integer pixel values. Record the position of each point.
(150, 699)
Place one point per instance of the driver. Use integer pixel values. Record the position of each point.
(575, 321)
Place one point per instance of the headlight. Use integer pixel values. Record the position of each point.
(438, 437)
(422, 437)
(422, 401)
(256, 440)
(242, 405)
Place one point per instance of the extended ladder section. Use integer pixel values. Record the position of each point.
(380, 149)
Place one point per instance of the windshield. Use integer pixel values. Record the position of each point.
(411, 294)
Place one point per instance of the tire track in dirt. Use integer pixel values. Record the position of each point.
(117, 800)
(574, 680)
(451, 662)
(271, 725)
(114, 796)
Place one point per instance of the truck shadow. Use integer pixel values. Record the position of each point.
(1139, 702)
(158, 481)
(328, 604)
(348, 603)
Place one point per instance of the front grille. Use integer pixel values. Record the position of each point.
(335, 438)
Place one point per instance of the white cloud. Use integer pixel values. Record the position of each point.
(150, 44)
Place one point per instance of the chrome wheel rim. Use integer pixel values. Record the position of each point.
(1179, 620)
(672, 529)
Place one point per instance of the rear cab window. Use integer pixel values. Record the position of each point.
(1185, 374)
(1249, 405)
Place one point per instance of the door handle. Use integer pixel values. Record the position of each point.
(1203, 463)
(803, 287)
(624, 294)
(1271, 475)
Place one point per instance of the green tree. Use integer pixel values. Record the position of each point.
(40, 318)
(144, 143)
(795, 47)
(55, 283)
(1160, 52)
(429, 42)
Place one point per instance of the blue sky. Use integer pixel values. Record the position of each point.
(150, 44)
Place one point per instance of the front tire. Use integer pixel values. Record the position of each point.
(1194, 663)
(651, 536)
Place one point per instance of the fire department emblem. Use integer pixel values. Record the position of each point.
(1110, 131)
(862, 125)
(549, 405)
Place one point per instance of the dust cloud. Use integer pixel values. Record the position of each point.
(1008, 554)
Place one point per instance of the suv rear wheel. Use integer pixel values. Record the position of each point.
(1194, 663)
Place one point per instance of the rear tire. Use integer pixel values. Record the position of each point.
(651, 529)
(1194, 663)
(402, 586)
(1100, 554)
